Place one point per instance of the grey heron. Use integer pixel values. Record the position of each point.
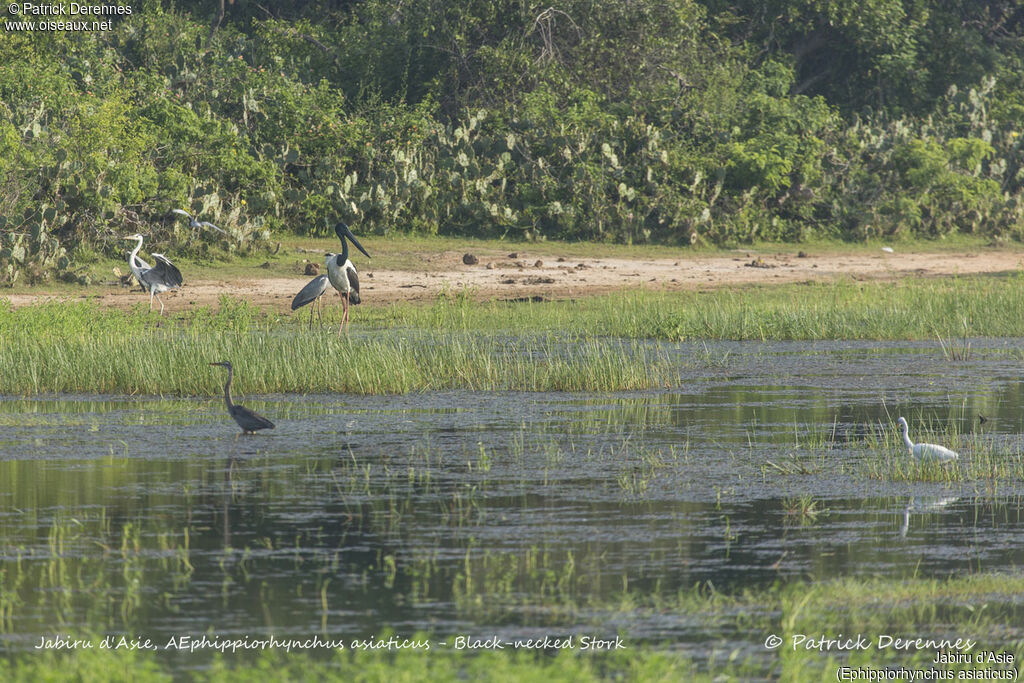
(248, 420)
(313, 291)
(925, 452)
(162, 277)
(193, 222)
(341, 273)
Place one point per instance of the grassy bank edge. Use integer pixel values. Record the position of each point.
(593, 344)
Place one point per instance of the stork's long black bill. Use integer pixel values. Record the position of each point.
(342, 231)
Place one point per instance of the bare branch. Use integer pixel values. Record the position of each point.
(216, 23)
(544, 25)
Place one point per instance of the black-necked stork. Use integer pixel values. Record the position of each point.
(248, 420)
(193, 222)
(340, 271)
(313, 290)
(162, 277)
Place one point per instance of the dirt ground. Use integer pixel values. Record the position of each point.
(518, 275)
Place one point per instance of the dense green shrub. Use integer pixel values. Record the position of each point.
(679, 122)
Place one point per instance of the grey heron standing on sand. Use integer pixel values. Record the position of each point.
(313, 291)
(248, 420)
(162, 277)
(193, 222)
(341, 273)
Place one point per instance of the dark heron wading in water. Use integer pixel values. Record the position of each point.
(248, 420)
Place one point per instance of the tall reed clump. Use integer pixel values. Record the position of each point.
(982, 458)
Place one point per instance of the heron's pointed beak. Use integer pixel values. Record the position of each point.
(342, 231)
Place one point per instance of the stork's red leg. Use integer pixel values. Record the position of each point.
(342, 314)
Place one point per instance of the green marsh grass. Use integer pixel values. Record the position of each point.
(924, 309)
(585, 345)
(806, 459)
(946, 308)
(810, 454)
(880, 453)
(981, 458)
(80, 348)
(803, 510)
(956, 350)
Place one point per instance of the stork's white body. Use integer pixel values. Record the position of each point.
(339, 275)
(926, 452)
(344, 279)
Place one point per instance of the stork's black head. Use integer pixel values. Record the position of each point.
(342, 231)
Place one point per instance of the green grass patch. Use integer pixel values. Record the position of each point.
(982, 459)
(585, 345)
(82, 348)
(933, 309)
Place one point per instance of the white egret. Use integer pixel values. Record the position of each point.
(926, 452)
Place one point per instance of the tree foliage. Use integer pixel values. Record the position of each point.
(678, 121)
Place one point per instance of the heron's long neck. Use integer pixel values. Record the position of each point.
(227, 389)
(906, 438)
(134, 256)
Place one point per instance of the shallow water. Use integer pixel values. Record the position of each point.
(514, 513)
